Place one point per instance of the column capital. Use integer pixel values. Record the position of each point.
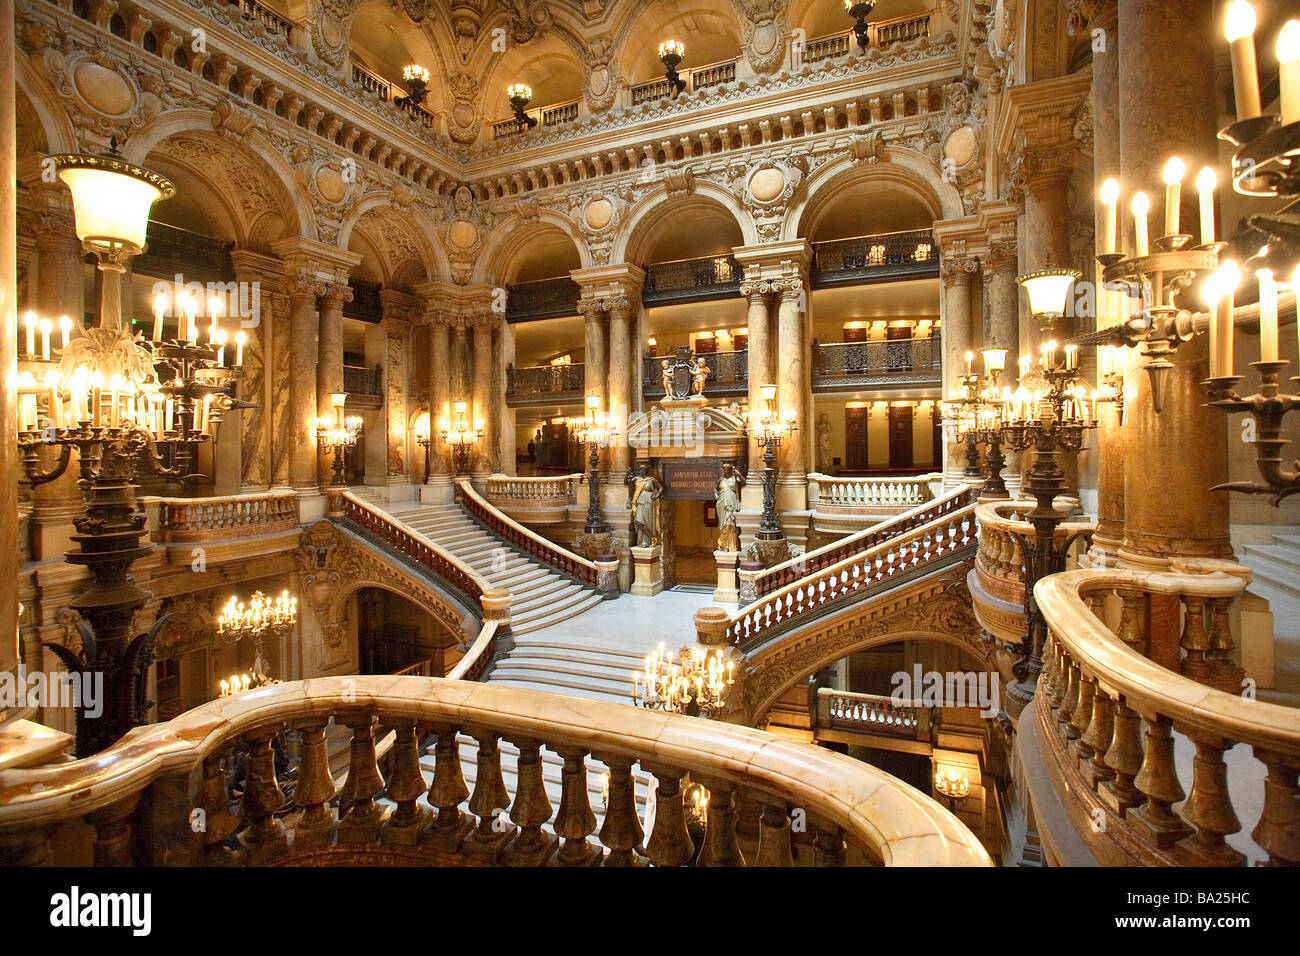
(251, 266)
(1001, 255)
(302, 282)
(330, 262)
(397, 305)
(1091, 14)
(957, 270)
(339, 292)
(773, 260)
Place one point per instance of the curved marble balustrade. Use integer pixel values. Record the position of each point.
(1112, 721)
(533, 500)
(891, 495)
(198, 519)
(871, 713)
(140, 796)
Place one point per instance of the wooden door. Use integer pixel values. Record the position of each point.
(900, 436)
(706, 346)
(855, 438)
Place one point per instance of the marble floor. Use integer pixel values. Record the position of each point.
(633, 623)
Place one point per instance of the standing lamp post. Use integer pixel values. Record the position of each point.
(520, 95)
(424, 438)
(593, 431)
(671, 53)
(770, 430)
(338, 436)
(119, 401)
(859, 10)
(460, 437)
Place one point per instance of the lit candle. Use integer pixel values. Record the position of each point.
(56, 406)
(214, 309)
(1071, 356)
(1240, 30)
(1141, 206)
(240, 339)
(1110, 199)
(1288, 56)
(970, 357)
(1206, 181)
(1267, 315)
(29, 322)
(191, 322)
(114, 388)
(1226, 287)
(1174, 172)
(65, 331)
(219, 339)
(159, 310)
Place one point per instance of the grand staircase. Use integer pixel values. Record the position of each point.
(1276, 578)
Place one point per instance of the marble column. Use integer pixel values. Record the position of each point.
(485, 448)
(1004, 301)
(620, 384)
(759, 356)
(302, 288)
(397, 332)
(439, 392)
(280, 320)
(955, 307)
(254, 423)
(1173, 458)
(329, 367)
(793, 392)
(1045, 236)
(58, 291)
(595, 371)
(1106, 164)
(8, 345)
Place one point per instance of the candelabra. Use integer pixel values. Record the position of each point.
(256, 621)
(671, 53)
(694, 683)
(973, 419)
(119, 401)
(520, 95)
(859, 10)
(593, 431)
(335, 438)
(417, 86)
(770, 429)
(424, 438)
(952, 785)
(460, 436)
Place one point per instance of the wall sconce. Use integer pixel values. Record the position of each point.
(1048, 292)
(671, 53)
(520, 95)
(417, 85)
(859, 10)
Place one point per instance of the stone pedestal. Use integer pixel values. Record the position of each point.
(771, 553)
(607, 575)
(439, 490)
(648, 568)
(711, 626)
(747, 578)
(727, 591)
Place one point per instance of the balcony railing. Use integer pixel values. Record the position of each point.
(534, 500)
(371, 82)
(200, 519)
(867, 496)
(871, 714)
(545, 383)
(855, 813)
(169, 250)
(728, 373)
(883, 362)
(691, 280)
(879, 34)
(358, 380)
(273, 21)
(543, 299)
(698, 78)
(366, 304)
(887, 257)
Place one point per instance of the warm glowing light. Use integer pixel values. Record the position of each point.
(415, 74)
(672, 48)
(1240, 22)
(1110, 192)
(111, 199)
(1048, 290)
(519, 91)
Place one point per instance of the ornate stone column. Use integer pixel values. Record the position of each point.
(439, 397)
(8, 345)
(303, 288)
(280, 320)
(595, 370)
(1175, 457)
(397, 334)
(620, 382)
(793, 389)
(955, 273)
(1045, 231)
(259, 274)
(485, 449)
(1003, 298)
(329, 361)
(759, 355)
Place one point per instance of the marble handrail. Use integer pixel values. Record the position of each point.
(1108, 714)
(1000, 561)
(847, 803)
(507, 528)
(533, 488)
(887, 492)
(193, 519)
(817, 560)
(951, 532)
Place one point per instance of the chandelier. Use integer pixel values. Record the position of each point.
(460, 436)
(671, 53)
(520, 95)
(416, 79)
(694, 683)
(336, 437)
(952, 785)
(257, 620)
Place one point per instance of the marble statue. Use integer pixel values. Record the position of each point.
(698, 376)
(644, 502)
(728, 497)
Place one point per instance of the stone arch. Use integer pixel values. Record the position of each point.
(418, 230)
(935, 608)
(656, 207)
(501, 254)
(656, 20)
(910, 170)
(39, 108)
(290, 201)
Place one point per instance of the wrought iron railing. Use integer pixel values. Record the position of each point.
(359, 380)
(684, 280)
(887, 256)
(542, 299)
(852, 363)
(728, 372)
(550, 382)
(366, 304)
(169, 249)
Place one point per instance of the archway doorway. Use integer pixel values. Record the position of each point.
(394, 634)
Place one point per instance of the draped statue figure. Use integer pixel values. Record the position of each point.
(644, 502)
(728, 496)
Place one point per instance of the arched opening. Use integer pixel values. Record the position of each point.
(395, 635)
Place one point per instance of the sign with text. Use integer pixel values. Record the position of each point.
(694, 478)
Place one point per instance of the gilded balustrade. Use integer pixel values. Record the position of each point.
(538, 500)
(140, 796)
(1114, 722)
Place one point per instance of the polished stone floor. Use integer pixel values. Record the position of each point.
(637, 624)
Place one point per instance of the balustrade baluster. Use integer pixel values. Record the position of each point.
(670, 842)
(1278, 830)
(1065, 714)
(1081, 718)
(1125, 758)
(774, 844)
(1195, 639)
(575, 820)
(360, 825)
(405, 786)
(113, 832)
(828, 844)
(446, 792)
(621, 832)
(1157, 780)
(1132, 625)
(720, 845)
(265, 838)
(218, 822)
(530, 810)
(315, 789)
(1226, 675)
(490, 796)
(1098, 737)
(1209, 807)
